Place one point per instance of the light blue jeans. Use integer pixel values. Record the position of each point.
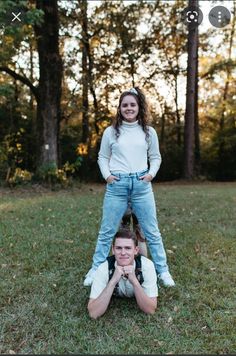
(140, 194)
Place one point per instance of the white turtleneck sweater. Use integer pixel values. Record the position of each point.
(129, 153)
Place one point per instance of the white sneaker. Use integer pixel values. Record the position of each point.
(89, 277)
(166, 279)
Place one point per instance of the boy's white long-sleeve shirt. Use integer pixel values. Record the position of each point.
(131, 152)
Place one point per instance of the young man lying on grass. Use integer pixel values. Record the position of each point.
(125, 274)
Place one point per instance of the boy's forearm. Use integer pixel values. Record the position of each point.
(97, 307)
(146, 304)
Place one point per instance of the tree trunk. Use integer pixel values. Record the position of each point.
(190, 111)
(196, 126)
(221, 150)
(85, 42)
(92, 91)
(178, 123)
(162, 134)
(49, 89)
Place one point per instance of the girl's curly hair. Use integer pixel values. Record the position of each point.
(143, 114)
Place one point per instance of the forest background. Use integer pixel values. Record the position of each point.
(65, 64)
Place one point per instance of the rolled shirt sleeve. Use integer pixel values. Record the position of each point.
(100, 281)
(149, 284)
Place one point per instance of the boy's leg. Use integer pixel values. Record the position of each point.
(126, 219)
(143, 205)
(142, 244)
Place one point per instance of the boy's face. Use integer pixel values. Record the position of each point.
(124, 251)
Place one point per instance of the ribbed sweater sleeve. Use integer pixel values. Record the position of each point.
(105, 153)
(154, 155)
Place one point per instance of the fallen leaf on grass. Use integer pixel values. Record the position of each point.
(170, 319)
(69, 241)
(23, 342)
(160, 343)
(206, 328)
(11, 352)
(170, 252)
(213, 268)
(197, 248)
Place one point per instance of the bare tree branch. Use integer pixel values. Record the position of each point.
(22, 79)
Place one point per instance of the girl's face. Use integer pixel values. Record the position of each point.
(129, 108)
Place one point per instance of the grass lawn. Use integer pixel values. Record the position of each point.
(47, 240)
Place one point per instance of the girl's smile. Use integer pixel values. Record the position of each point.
(129, 108)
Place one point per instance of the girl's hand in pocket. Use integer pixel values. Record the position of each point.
(111, 179)
(146, 177)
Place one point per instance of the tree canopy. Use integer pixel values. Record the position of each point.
(64, 66)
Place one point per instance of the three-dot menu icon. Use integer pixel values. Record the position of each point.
(219, 16)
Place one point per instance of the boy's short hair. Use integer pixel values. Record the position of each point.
(125, 234)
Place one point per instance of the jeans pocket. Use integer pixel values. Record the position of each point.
(113, 182)
(144, 181)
